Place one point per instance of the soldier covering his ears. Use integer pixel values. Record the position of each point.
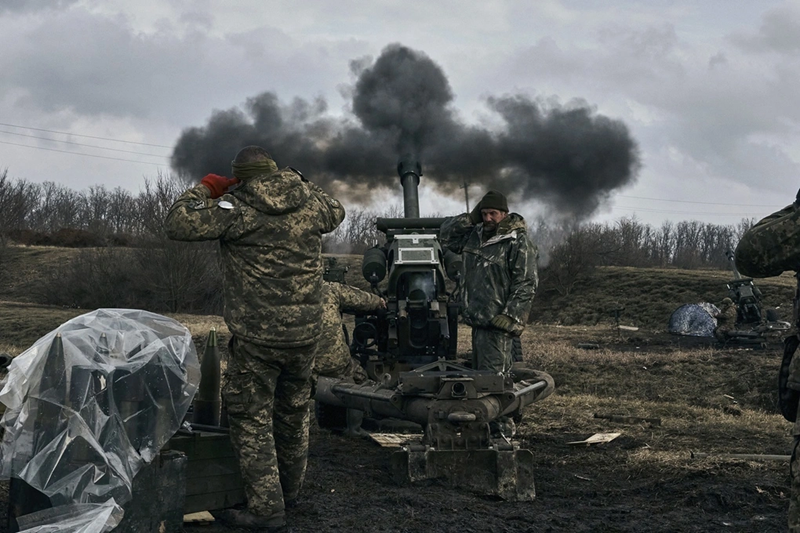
(270, 231)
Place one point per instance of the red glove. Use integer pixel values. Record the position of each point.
(218, 184)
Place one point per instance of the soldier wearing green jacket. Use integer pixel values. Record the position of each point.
(769, 248)
(270, 231)
(500, 277)
(333, 358)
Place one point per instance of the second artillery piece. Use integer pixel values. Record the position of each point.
(409, 352)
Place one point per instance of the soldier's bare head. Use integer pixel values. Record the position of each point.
(251, 154)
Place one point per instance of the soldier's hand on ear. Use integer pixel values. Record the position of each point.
(217, 185)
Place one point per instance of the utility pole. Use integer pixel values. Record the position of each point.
(466, 193)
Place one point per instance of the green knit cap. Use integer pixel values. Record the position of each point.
(494, 200)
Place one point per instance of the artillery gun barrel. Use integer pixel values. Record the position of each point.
(409, 172)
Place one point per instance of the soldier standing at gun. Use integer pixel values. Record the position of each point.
(270, 233)
(500, 277)
(769, 248)
(333, 358)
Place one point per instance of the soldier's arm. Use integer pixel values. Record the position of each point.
(331, 208)
(524, 279)
(196, 217)
(353, 300)
(455, 231)
(772, 246)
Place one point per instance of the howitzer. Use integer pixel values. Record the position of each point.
(745, 295)
(409, 350)
(752, 320)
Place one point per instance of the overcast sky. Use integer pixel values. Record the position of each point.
(708, 89)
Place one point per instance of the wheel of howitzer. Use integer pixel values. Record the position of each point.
(522, 372)
(330, 416)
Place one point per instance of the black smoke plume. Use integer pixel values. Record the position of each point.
(568, 157)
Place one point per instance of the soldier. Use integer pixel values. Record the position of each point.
(726, 320)
(333, 358)
(770, 248)
(500, 277)
(270, 233)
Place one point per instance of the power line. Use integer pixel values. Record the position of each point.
(82, 144)
(693, 202)
(86, 136)
(695, 213)
(81, 153)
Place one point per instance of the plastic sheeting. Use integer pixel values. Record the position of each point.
(89, 403)
(694, 320)
(74, 518)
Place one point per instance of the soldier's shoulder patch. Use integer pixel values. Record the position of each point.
(197, 204)
(225, 204)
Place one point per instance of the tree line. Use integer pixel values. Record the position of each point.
(128, 261)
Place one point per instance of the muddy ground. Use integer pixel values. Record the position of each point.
(709, 399)
(645, 480)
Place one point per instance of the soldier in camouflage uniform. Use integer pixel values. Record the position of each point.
(333, 358)
(769, 248)
(726, 320)
(500, 277)
(270, 232)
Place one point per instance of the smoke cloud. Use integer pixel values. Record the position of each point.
(565, 156)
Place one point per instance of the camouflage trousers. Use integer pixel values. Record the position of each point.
(267, 392)
(491, 350)
(721, 333)
(794, 493)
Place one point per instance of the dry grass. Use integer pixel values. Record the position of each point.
(22, 324)
(647, 295)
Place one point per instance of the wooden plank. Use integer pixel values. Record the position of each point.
(390, 440)
(597, 438)
(202, 517)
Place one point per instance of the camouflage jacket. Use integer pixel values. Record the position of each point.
(772, 246)
(333, 354)
(270, 232)
(500, 275)
(726, 319)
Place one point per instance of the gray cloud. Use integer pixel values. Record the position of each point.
(714, 109)
(92, 65)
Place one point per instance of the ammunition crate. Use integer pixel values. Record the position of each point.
(213, 479)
